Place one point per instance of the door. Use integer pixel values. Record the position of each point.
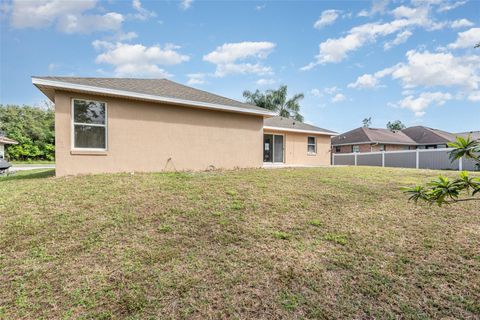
(272, 148)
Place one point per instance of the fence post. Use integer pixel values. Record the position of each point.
(416, 158)
(460, 164)
(355, 155)
(333, 159)
(383, 158)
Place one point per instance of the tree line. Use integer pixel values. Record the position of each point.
(33, 128)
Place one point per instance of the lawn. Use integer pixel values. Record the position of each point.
(307, 243)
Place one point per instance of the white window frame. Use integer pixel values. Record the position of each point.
(353, 148)
(73, 123)
(310, 144)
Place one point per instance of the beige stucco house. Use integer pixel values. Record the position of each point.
(124, 125)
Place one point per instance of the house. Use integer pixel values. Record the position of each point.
(296, 143)
(474, 135)
(125, 125)
(371, 139)
(4, 141)
(429, 138)
(376, 139)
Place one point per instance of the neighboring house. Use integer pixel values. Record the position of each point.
(4, 141)
(474, 135)
(429, 138)
(125, 125)
(375, 139)
(371, 139)
(293, 142)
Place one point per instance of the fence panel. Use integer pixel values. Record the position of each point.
(405, 159)
(344, 159)
(423, 159)
(369, 159)
(436, 159)
(468, 165)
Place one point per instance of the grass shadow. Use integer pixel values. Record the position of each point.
(29, 174)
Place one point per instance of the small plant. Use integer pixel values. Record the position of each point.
(281, 235)
(232, 193)
(337, 238)
(445, 191)
(315, 223)
(237, 205)
(165, 228)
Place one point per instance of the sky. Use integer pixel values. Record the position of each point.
(412, 61)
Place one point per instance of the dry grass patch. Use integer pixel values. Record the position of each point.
(263, 244)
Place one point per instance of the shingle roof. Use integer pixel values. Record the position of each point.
(293, 125)
(161, 88)
(474, 135)
(372, 135)
(424, 135)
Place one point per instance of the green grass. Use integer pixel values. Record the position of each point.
(313, 243)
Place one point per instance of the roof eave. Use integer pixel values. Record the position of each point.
(38, 82)
(376, 142)
(299, 130)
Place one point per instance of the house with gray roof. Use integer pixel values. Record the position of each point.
(379, 139)
(126, 125)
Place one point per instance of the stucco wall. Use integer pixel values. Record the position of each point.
(143, 136)
(295, 148)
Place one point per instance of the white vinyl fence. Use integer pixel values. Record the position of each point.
(419, 159)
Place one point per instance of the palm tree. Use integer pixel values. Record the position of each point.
(276, 100)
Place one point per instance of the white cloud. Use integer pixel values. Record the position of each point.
(196, 78)
(466, 39)
(424, 100)
(378, 6)
(365, 81)
(338, 98)
(331, 90)
(122, 36)
(461, 23)
(438, 69)
(260, 7)
(228, 56)
(89, 23)
(327, 17)
(335, 50)
(399, 39)
(265, 82)
(425, 69)
(474, 96)
(137, 60)
(142, 13)
(449, 5)
(185, 4)
(67, 16)
(316, 93)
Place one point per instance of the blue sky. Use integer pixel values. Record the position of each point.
(390, 60)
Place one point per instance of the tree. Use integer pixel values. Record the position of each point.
(367, 122)
(33, 128)
(277, 101)
(445, 191)
(395, 125)
(477, 45)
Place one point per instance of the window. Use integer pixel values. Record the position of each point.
(355, 148)
(382, 147)
(338, 149)
(89, 122)
(312, 145)
(406, 148)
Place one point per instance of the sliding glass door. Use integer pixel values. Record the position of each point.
(272, 148)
